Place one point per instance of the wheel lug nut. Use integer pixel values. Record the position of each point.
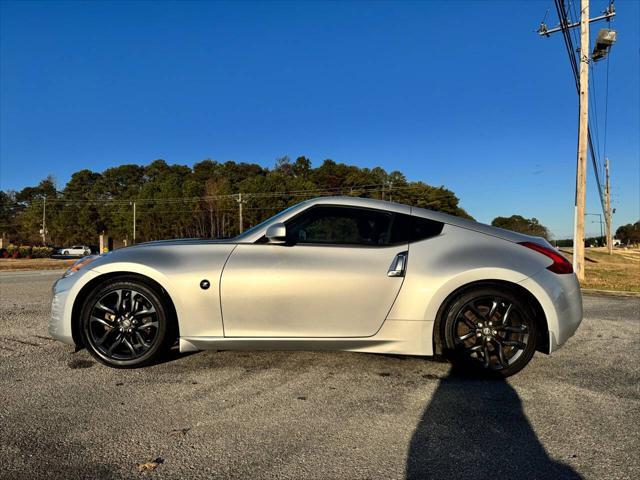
(479, 334)
(495, 332)
(480, 325)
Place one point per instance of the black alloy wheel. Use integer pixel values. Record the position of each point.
(125, 324)
(492, 331)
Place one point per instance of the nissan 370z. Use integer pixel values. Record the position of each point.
(335, 273)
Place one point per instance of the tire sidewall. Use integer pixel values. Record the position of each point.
(461, 359)
(162, 335)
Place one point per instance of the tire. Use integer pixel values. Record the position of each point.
(125, 323)
(486, 338)
(66, 252)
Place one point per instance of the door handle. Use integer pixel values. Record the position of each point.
(399, 265)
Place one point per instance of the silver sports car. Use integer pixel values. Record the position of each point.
(330, 273)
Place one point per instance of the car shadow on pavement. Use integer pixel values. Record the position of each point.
(474, 428)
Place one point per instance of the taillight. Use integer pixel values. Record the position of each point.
(560, 263)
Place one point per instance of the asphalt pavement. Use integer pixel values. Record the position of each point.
(314, 415)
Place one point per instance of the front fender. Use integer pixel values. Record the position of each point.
(69, 291)
(179, 270)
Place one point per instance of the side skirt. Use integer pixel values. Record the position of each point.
(404, 337)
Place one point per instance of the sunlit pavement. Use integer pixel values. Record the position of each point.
(314, 415)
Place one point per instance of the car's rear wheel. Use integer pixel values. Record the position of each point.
(490, 330)
(125, 323)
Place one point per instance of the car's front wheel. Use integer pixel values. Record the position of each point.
(490, 330)
(125, 323)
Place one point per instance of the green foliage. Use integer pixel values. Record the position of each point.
(629, 234)
(41, 252)
(201, 201)
(588, 242)
(517, 223)
(7, 211)
(26, 209)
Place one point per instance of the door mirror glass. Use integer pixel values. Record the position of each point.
(276, 233)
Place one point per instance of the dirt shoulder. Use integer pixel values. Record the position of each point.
(11, 264)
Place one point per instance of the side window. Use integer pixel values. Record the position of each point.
(408, 228)
(341, 226)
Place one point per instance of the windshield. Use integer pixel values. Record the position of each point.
(257, 227)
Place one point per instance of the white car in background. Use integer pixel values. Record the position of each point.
(80, 250)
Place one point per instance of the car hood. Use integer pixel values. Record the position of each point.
(180, 242)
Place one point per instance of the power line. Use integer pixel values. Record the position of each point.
(344, 190)
(573, 16)
(574, 61)
(221, 196)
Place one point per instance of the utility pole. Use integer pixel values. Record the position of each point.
(606, 38)
(240, 202)
(607, 194)
(44, 221)
(134, 222)
(583, 131)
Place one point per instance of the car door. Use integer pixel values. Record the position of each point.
(337, 275)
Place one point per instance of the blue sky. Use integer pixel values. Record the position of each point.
(461, 94)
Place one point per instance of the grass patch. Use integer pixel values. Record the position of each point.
(10, 264)
(619, 271)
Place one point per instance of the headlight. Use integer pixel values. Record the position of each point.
(81, 263)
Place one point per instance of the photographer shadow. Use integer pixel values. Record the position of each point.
(477, 429)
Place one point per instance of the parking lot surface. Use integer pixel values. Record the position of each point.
(317, 415)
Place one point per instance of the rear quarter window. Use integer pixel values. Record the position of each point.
(423, 228)
(407, 228)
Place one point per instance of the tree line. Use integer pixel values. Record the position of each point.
(629, 234)
(202, 201)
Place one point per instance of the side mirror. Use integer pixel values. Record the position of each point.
(276, 233)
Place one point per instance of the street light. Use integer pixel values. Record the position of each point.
(605, 39)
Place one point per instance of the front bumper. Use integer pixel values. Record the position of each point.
(58, 328)
(64, 291)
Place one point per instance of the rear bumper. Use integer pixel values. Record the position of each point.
(561, 300)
